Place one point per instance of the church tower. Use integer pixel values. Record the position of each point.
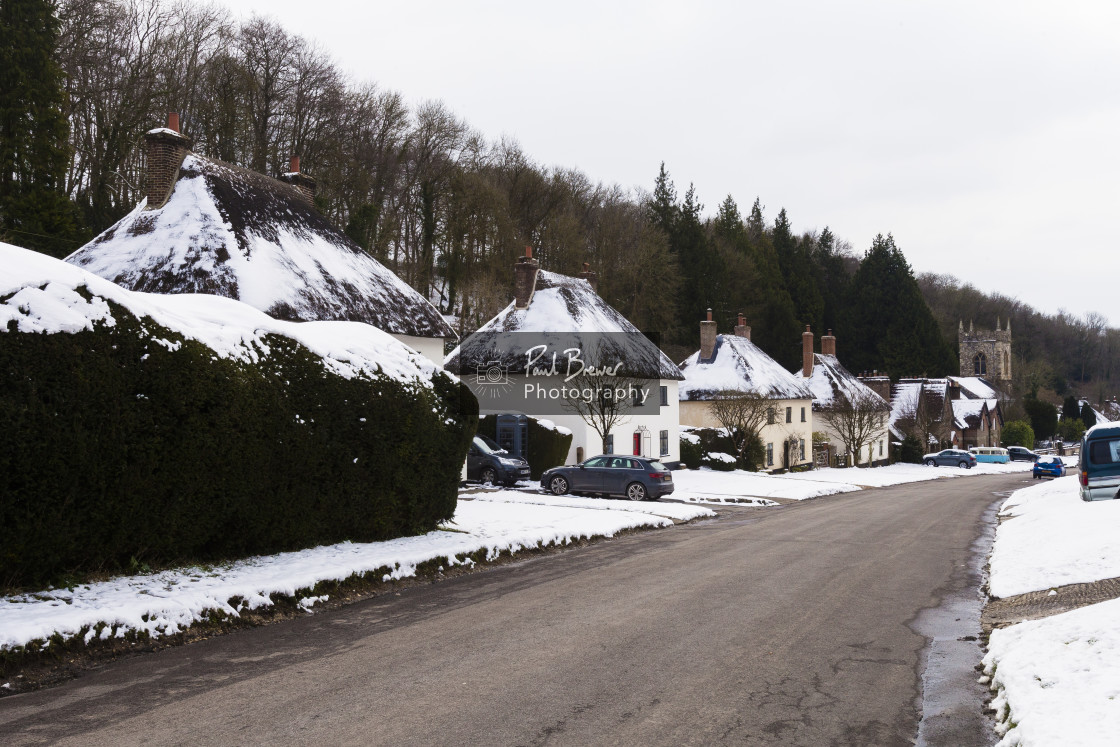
(986, 353)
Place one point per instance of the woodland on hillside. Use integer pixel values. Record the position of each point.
(450, 210)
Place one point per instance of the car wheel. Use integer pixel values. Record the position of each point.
(558, 485)
(488, 476)
(931, 463)
(635, 491)
(965, 465)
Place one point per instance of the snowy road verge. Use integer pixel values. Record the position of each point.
(168, 602)
(1056, 680)
(709, 486)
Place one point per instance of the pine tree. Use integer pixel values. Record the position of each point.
(34, 210)
(1071, 410)
(663, 207)
(889, 326)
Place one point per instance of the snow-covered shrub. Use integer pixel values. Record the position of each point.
(718, 460)
(122, 438)
(691, 451)
(548, 443)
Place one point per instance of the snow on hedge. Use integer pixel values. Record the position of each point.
(1056, 679)
(42, 294)
(167, 602)
(1050, 537)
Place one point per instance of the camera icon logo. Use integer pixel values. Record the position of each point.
(493, 378)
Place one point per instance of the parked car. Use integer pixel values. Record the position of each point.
(637, 478)
(993, 454)
(1099, 463)
(1021, 454)
(1048, 466)
(490, 464)
(950, 458)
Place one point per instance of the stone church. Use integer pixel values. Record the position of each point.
(986, 353)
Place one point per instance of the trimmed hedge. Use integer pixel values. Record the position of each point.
(548, 448)
(131, 444)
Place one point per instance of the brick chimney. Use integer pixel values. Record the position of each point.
(707, 338)
(166, 148)
(590, 277)
(828, 344)
(524, 279)
(881, 385)
(807, 352)
(304, 183)
(741, 328)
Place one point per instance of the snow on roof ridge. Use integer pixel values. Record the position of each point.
(739, 365)
(44, 299)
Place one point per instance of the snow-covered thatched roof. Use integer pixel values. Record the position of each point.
(562, 312)
(830, 382)
(906, 396)
(737, 364)
(40, 294)
(230, 232)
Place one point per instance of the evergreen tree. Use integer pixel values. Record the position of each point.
(795, 261)
(1088, 417)
(701, 266)
(663, 207)
(1071, 410)
(889, 326)
(34, 210)
(832, 274)
(1043, 416)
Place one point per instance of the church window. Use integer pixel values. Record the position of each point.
(979, 365)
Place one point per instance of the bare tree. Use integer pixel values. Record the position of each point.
(742, 414)
(925, 420)
(855, 419)
(604, 401)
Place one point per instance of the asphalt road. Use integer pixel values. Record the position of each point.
(786, 626)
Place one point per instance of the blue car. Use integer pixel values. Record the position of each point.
(637, 478)
(1048, 467)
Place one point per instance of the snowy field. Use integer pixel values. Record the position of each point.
(165, 603)
(1057, 680)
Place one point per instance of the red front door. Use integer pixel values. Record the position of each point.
(637, 444)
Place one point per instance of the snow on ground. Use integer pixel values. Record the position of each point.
(165, 603)
(701, 484)
(1050, 537)
(709, 486)
(1057, 679)
(674, 511)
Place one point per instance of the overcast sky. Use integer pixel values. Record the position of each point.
(983, 135)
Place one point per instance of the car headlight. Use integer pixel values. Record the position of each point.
(508, 463)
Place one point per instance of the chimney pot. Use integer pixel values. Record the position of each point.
(707, 338)
(741, 329)
(591, 277)
(828, 344)
(165, 152)
(807, 352)
(524, 279)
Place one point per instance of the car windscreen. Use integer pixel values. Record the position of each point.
(486, 446)
(1104, 451)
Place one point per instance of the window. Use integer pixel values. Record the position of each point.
(639, 397)
(664, 396)
(770, 455)
(802, 414)
(789, 414)
(880, 448)
(608, 443)
(771, 416)
(802, 450)
(979, 365)
(664, 440)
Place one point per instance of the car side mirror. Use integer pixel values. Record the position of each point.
(583, 466)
